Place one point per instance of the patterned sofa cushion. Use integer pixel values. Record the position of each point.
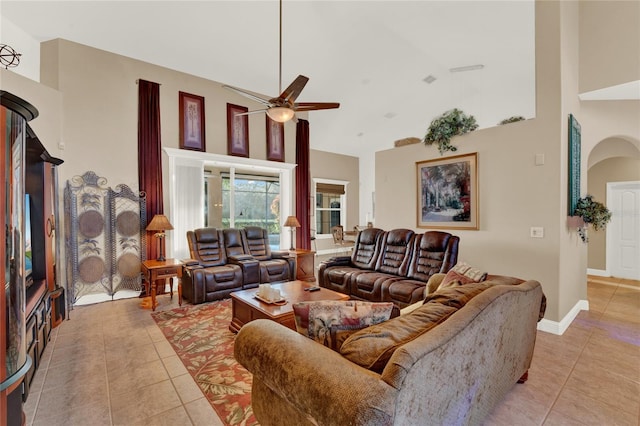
(320, 320)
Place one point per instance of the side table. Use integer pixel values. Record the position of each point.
(154, 270)
(305, 264)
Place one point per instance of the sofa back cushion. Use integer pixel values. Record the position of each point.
(206, 246)
(372, 347)
(367, 248)
(233, 242)
(257, 242)
(395, 253)
(433, 252)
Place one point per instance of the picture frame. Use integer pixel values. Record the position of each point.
(237, 130)
(191, 113)
(574, 164)
(275, 140)
(447, 192)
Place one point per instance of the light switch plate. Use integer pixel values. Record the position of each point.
(537, 232)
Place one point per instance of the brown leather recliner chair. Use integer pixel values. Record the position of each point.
(208, 276)
(274, 265)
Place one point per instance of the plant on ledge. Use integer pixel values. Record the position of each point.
(592, 212)
(451, 123)
(513, 119)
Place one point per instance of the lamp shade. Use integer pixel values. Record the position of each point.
(292, 222)
(159, 223)
(280, 114)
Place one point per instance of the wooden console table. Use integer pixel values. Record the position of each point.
(154, 270)
(305, 261)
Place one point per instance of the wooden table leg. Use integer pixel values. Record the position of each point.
(153, 295)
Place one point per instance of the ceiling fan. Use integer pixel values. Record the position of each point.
(284, 107)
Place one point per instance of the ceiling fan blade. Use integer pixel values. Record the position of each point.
(312, 106)
(249, 95)
(292, 92)
(251, 112)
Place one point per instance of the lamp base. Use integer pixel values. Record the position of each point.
(161, 258)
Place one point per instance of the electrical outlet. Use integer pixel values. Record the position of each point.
(537, 232)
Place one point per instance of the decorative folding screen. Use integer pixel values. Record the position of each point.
(104, 237)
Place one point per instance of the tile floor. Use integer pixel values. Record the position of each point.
(110, 365)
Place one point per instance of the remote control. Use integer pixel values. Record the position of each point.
(314, 288)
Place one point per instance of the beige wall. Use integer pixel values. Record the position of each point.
(328, 165)
(100, 110)
(515, 194)
(609, 54)
(610, 170)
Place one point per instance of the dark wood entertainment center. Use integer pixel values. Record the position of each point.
(33, 301)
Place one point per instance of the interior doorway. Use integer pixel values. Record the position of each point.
(623, 232)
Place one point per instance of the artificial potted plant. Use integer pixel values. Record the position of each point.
(451, 123)
(591, 212)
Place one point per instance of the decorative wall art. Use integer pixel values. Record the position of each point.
(574, 164)
(192, 122)
(448, 192)
(237, 131)
(275, 140)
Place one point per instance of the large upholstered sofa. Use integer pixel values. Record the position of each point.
(450, 361)
(390, 266)
(227, 260)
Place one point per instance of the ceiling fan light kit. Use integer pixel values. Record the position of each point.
(280, 114)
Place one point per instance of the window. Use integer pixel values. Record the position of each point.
(241, 200)
(330, 211)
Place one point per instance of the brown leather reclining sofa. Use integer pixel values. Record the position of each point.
(227, 260)
(390, 266)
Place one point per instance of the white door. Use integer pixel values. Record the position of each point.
(623, 232)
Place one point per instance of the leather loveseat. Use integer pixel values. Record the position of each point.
(227, 260)
(390, 266)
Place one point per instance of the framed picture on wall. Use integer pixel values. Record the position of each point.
(237, 130)
(447, 194)
(574, 164)
(275, 140)
(191, 121)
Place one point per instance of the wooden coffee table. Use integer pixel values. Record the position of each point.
(245, 307)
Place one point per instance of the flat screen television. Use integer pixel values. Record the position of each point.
(28, 252)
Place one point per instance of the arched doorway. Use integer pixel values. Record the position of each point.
(616, 251)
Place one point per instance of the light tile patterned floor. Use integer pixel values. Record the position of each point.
(110, 365)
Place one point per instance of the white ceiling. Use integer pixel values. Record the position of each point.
(371, 56)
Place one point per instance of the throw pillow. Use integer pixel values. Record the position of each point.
(330, 321)
(460, 274)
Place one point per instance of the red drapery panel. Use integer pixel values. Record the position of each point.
(303, 180)
(150, 155)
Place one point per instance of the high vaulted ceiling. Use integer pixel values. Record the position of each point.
(371, 56)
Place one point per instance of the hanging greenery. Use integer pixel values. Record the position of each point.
(451, 123)
(513, 119)
(592, 212)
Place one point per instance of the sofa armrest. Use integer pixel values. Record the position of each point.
(240, 258)
(281, 255)
(433, 283)
(337, 261)
(311, 377)
(189, 262)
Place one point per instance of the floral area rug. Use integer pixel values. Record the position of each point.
(200, 336)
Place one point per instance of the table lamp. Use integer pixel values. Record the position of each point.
(292, 222)
(160, 223)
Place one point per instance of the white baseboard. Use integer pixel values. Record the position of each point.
(559, 328)
(598, 272)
